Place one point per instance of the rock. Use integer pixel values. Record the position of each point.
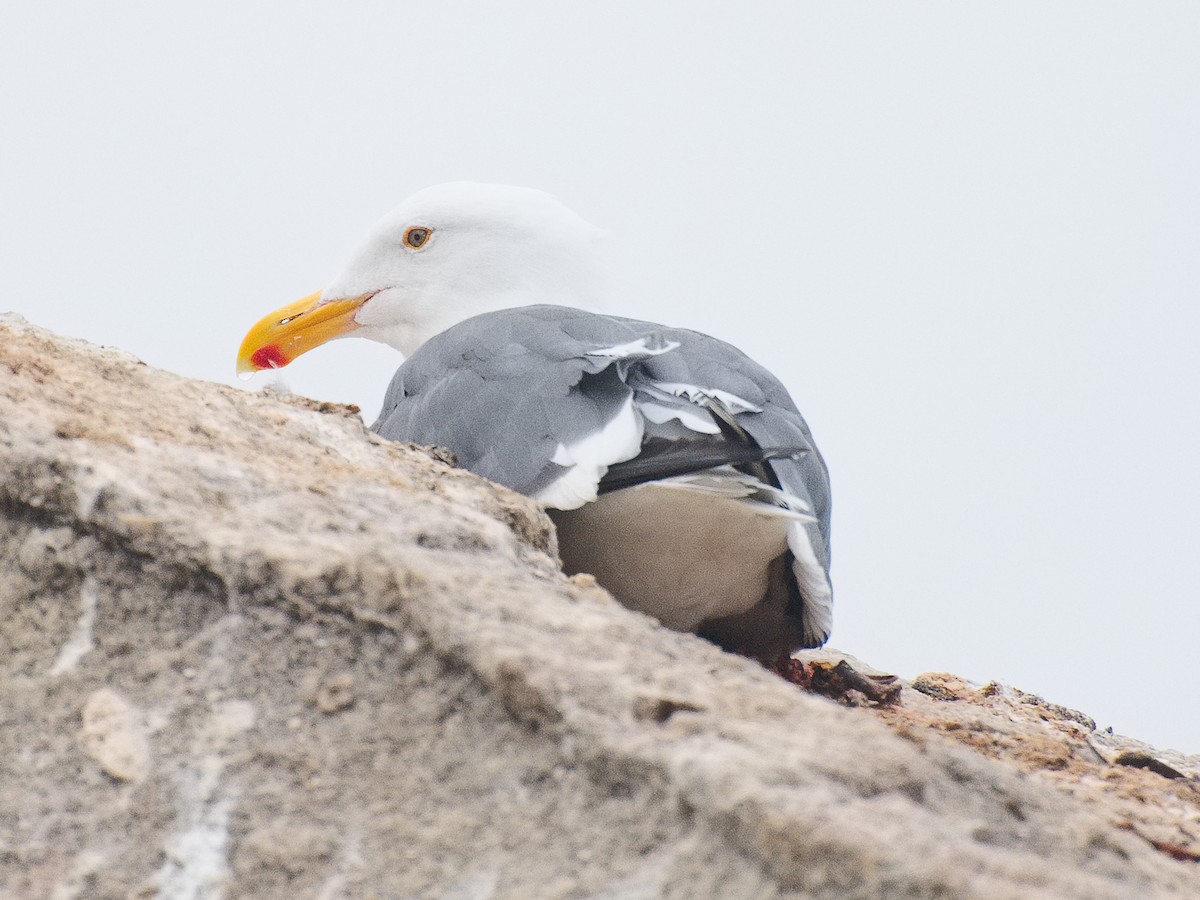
(336, 693)
(113, 736)
(1152, 793)
(353, 670)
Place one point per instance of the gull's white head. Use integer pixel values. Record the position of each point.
(447, 253)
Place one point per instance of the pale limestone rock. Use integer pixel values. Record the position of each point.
(114, 736)
(365, 676)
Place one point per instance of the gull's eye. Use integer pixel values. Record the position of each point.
(416, 237)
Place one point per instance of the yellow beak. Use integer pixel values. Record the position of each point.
(278, 338)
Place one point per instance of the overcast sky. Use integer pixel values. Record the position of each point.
(967, 238)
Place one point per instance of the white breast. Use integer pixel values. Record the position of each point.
(682, 555)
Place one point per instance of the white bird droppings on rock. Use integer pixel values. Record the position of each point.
(80, 642)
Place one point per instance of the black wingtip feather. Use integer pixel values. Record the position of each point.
(685, 457)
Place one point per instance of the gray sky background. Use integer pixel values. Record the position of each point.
(967, 237)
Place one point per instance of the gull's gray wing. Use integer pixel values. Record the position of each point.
(506, 390)
(551, 401)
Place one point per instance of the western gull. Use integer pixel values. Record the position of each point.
(677, 470)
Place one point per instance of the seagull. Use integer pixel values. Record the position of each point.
(677, 470)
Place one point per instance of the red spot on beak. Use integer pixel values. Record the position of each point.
(269, 357)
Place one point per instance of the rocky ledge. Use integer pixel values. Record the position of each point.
(249, 650)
